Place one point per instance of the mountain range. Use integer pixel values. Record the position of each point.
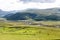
(34, 14)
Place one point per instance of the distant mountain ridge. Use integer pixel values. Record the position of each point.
(35, 14)
(3, 13)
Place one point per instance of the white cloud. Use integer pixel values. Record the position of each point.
(9, 5)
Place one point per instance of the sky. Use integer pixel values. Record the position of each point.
(9, 5)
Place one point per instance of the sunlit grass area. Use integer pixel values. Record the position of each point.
(14, 31)
(51, 22)
(29, 33)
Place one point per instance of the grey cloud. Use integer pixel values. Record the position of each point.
(41, 1)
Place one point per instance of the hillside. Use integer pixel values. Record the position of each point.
(35, 14)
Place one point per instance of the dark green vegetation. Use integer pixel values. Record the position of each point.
(35, 14)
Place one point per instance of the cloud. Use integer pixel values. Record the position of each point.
(9, 5)
(40, 1)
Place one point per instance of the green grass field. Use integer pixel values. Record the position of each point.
(28, 32)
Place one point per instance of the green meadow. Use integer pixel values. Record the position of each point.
(14, 31)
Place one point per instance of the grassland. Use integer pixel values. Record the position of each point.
(14, 31)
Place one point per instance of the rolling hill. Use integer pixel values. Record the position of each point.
(35, 14)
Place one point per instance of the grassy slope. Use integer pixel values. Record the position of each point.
(29, 33)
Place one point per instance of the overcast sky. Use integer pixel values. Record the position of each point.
(9, 5)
